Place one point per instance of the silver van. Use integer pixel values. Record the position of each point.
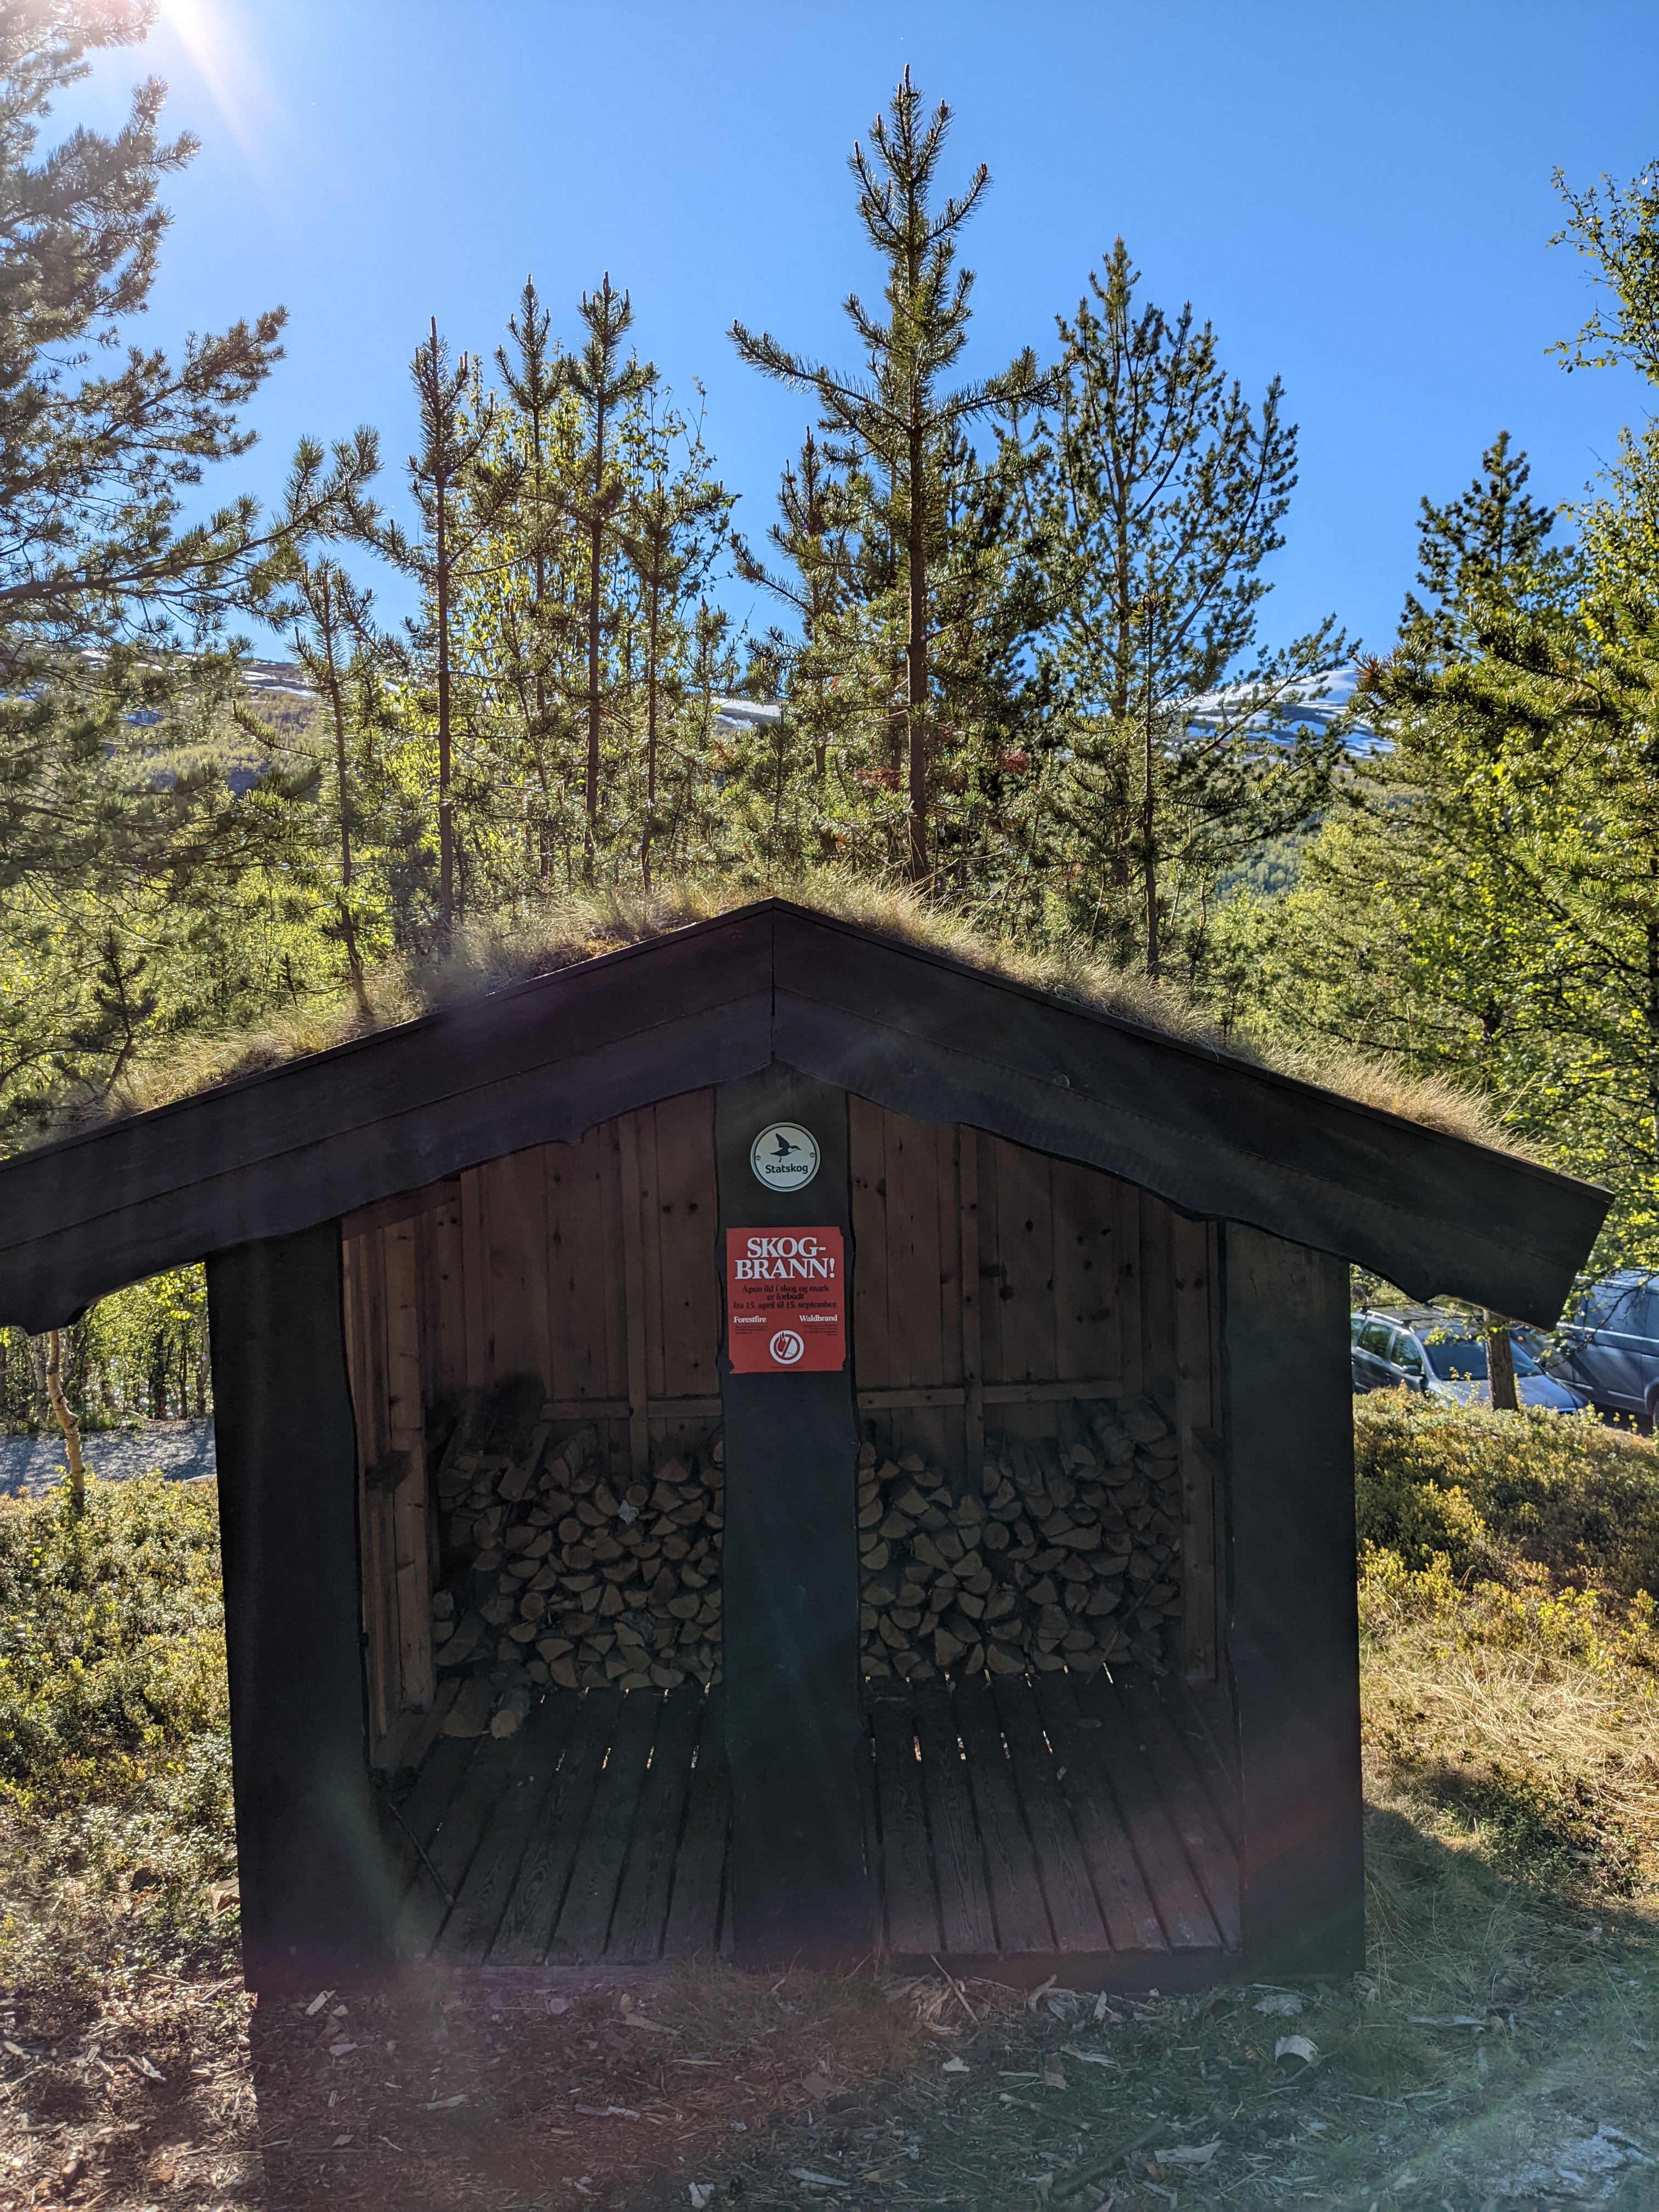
(1443, 1355)
(1609, 1349)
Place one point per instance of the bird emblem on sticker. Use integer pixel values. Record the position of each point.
(784, 1157)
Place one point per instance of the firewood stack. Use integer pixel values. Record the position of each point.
(557, 1571)
(1070, 1558)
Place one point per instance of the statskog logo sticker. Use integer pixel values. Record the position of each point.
(785, 1301)
(784, 1157)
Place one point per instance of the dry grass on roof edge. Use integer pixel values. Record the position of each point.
(486, 956)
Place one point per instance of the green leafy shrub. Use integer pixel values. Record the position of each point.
(117, 1836)
(1485, 1490)
(112, 1640)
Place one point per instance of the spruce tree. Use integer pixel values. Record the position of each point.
(897, 415)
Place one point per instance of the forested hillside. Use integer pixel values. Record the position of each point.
(998, 589)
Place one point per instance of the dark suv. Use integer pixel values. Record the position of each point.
(1609, 1349)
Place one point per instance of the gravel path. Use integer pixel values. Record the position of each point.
(182, 1451)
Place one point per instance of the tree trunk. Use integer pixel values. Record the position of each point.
(595, 551)
(650, 739)
(916, 656)
(1500, 1365)
(66, 1421)
(446, 825)
(1149, 815)
(336, 708)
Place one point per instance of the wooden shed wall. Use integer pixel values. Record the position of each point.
(993, 1287)
(996, 1288)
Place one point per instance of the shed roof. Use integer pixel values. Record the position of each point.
(911, 1029)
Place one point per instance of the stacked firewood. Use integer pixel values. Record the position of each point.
(1070, 1558)
(561, 1572)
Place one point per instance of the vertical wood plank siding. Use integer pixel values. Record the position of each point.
(978, 1266)
(589, 1266)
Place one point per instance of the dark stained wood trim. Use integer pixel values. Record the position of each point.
(1293, 1638)
(1214, 1135)
(273, 1153)
(314, 1886)
(794, 1737)
(905, 1397)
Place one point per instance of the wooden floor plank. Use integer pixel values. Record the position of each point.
(425, 1803)
(538, 1893)
(584, 1920)
(1209, 1852)
(1062, 1866)
(482, 1899)
(965, 1895)
(1188, 1923)
(1203, 1717)
(1017, 1901)
(424, 1732)
(450, 1851)
(906, 1874)
(694, 1906)
(641, 1918)
(1131, 1921)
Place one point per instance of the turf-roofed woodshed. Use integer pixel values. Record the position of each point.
(774, 1441)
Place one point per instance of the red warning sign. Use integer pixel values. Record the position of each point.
(786, 1308)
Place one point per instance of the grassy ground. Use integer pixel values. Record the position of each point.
(1499, 2051)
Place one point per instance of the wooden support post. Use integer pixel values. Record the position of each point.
(406, 1429)
(800, 1891)
(316, 1902)
(1294, 1635)
(973, 1350)
(1193, 1246)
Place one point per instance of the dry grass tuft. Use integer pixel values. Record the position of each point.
(489, 957)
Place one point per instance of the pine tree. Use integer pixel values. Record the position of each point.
(100, 577)
(459, 492)
(896, 415)
(336, 643)
(1164, 490)
(672, 528)
(535, 381)
(604, 384)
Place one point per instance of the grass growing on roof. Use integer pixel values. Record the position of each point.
(568, 930)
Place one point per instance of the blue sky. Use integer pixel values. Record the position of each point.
(1358, 195)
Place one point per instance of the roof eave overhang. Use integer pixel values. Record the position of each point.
(923, 1035)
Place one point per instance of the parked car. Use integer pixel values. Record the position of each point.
(1609, 1349)
(1443, 1355)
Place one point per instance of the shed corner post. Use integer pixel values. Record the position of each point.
(1293, 1633)
(799, 1885)
(315, 1884)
